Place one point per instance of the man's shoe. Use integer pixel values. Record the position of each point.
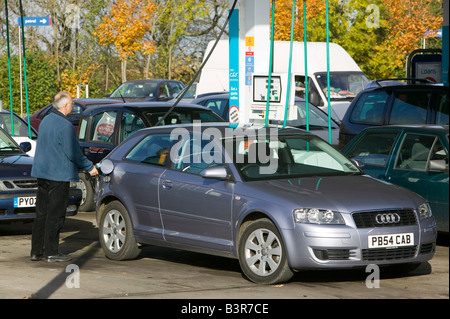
(36, 257)
(59, 257)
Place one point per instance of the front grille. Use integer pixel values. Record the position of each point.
(388, 253)
(20, 184)
(26, 183)
(368, 219)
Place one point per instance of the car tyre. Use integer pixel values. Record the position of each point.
(262, 253)
(87, 202)
(116, 232)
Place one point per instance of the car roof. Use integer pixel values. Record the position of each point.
(397, 86)
(148, 80)
(253, 131)
(410, 127)
(142, 105)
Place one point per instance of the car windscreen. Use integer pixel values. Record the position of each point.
(20, 126)
(137, 90)
(343, 85)
(281, 157)
(181, 116)
(317, 119)
(7, 145)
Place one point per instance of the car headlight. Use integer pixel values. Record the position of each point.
(2, 188)
(318, 216)
(425, 211)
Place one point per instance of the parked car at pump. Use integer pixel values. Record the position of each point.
(318, 119)
(394, 105)
(147, 90)
(104, 127)
(22, 130)
(17, 188)
(279, 200)
(79, 105)
(414, 157)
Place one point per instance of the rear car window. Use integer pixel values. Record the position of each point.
(370, 108)
(410, 107)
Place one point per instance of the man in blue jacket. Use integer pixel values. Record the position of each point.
(57, 160)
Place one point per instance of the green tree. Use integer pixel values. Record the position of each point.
(41, 82)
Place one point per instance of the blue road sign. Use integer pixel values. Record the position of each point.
(35, 21)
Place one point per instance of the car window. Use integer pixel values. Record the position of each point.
(175, 88)
(153, 149)
(416, 151)
(194, 154)
(369, 108)
(373, 149)
(163, 91)
(20, 125)
(315, 116)
(410, 107)
(7, 144)
(130, 123)
(76, 109)
(442, 109)
(217, 106)
(104, 126)
(45, 112)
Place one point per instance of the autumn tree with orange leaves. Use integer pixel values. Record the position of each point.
(125, 28)
(378, 34)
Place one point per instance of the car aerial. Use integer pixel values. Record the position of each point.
(104, 127)
(147, 90)
(22, 131)
(277, 199)
(17, 188)
(395, 104)
(318, 119)
(414, 157)
(79, 105)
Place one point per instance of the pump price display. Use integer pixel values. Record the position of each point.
(29, 201)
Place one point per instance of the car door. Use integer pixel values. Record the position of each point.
(196, 211)
(98, 135)
(144, 165)
(415, 169)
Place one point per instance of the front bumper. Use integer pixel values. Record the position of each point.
(10, 213)
(343, 246)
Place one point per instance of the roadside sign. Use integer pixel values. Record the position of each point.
(35, 21)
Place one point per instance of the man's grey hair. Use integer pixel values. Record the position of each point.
(61, 99)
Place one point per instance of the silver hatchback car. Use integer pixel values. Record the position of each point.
(279, 200)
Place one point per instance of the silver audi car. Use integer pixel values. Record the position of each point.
(279, 200)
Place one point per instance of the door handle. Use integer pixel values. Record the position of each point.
(167, 184)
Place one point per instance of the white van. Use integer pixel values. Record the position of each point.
(346, 78)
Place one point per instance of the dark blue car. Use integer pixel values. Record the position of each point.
(17, 188)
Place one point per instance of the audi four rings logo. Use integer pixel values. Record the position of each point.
(390, 218)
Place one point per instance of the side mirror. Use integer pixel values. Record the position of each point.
(314, 98)
(25, 146)
(215, 172)
(358, 163)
